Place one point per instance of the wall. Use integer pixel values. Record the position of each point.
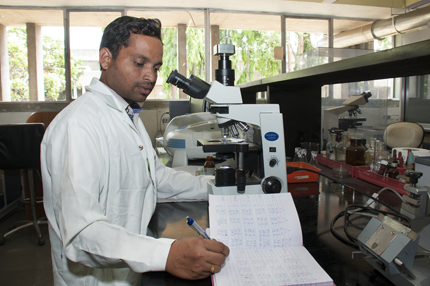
(414, 37)
(14, 117)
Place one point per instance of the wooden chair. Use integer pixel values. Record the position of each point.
(42, 117)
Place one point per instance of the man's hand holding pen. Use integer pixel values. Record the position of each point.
(196, 258)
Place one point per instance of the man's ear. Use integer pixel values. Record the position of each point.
(105, 58)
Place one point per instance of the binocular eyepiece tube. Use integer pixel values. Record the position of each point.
(193, 86)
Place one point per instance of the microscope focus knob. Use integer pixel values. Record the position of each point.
(271, 185)
(413, 176)
(273, 162)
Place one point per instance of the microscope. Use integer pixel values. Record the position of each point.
(352, 105)
(251, 134)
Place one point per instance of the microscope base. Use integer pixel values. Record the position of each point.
(232, 190)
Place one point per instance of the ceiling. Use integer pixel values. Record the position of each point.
(239, 14)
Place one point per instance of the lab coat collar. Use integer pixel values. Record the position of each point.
(107, 94)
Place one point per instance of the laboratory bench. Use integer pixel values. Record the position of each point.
(317, 204)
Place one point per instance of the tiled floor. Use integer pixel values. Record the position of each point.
(22, 261)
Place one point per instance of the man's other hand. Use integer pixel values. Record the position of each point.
(192, 258)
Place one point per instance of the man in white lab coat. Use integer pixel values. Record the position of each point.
(102, 178)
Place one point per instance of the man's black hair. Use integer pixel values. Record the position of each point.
(117, 34)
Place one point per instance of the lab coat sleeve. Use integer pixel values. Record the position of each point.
(180, 185)
(76, 164)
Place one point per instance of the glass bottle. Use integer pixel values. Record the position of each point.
(395, 155)
(303, 156)
(380, 156)
(400, 159)
(209, 166)
(364, 143)
(331, 146)
(355, 153)
(314, 159)
(392, 171)
(371, 142)
(382, 167)
(341, 149)
(401, 177)
(370, 152)
(297, 154)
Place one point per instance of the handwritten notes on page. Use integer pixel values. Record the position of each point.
(264, 236)
(255, 221)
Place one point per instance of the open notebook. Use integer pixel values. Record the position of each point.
(264, 235)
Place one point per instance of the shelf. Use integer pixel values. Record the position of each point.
(407, 60)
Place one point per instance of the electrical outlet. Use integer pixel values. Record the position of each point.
(162, 116)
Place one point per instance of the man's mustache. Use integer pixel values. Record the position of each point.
(146, 84)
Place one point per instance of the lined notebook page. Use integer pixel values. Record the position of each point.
(255, 221)
(271, 267)
(264, 236)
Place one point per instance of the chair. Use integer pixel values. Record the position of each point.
(404, 134)
(44, 117)
(20, 150)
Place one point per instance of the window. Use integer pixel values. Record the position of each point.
(35, 61)
(54, 63)
(302, 40)
(417, 104)
(18, 64)
(86, 30)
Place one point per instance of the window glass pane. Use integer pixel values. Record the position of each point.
(32, 64)
(385, 44)
(196, 52)
(18, 63)
(370, 119)
(302, 40)
(417, 99)
(30, 81)
(86, 29)
(164, 90)
(53, 63)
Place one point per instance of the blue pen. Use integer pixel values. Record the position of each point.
(197, 227)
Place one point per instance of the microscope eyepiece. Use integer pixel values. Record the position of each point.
(193, 86)
(178, 80)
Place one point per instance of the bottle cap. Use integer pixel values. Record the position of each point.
(410, 157)
(401, 170)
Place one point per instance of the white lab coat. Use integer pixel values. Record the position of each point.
(101, 181)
